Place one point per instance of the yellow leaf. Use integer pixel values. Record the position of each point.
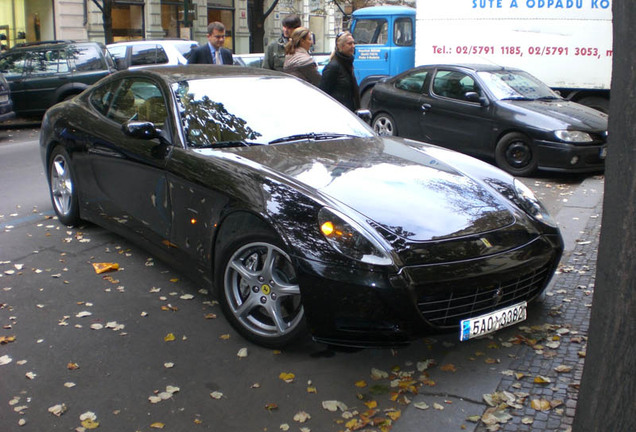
(541, 380)
(157, 425)
(394, 415)
(371, 404)
(519, 375)
(540, 404)
(174, 280)
(105, 267)
(361, 384)
(352, 424)
(271, 406)
(72, 366)
(90, 424)
(198, 421)
(6, 339)
(224, 336)
(169, 337)
(311, 389)
(210, 316)
(288, 377)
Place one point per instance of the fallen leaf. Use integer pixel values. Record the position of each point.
(58, 410)
(169, 337)
(157, 425)
(563, 368)
(5, 359)
(6, 339)
(539, 379)
(242, 353)
(438, 406)
(421, 405)
(377, 374)
(334, 405)
(216, 395)
(540, 404)
(210, 316)
(361, 384)
(187, 297)
(371, 404)
(224, 336)
(395, 415)
(284, 427)
(527, 420)
(105, 267)
(301, 417)
(271, 406)
(72, 366)
(287, 377)
(448, 368)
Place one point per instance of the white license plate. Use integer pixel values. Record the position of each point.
(488, 323)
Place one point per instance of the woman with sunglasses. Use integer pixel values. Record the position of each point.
(338, 79)
(298, 61)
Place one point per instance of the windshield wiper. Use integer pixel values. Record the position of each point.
(522, 98)
(546, 98)
(226, 144)
(311, 136)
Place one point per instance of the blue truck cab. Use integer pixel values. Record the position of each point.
(385, 44)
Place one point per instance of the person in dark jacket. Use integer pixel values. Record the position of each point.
(275, 53)
(298, 61)
(338, 79)
(213, 51)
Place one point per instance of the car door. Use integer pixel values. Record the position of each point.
(128, 173)
(402, 100)
(47, 71)
(450, 119)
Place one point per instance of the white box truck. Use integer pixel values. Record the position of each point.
(565, 43)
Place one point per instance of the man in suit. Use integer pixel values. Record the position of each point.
(213, 51)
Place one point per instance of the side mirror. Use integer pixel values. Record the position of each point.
(141, 130)
(365, 115)
(121, 64)
(474, 97)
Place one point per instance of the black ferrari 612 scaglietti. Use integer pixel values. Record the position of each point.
(295, 211)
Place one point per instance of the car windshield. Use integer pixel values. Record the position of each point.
(516, 85)
(261, 110)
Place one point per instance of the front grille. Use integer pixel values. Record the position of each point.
(451, 303)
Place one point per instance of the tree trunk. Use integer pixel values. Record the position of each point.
(607, 398)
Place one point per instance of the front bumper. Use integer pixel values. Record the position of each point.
(356, 307)
(558, 156)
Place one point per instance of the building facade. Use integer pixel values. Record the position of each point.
(39, 20)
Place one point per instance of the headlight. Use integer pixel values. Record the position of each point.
(352, 240)
(573, 136)
(527, 201)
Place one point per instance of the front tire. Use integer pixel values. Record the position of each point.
(384, 125)
(62, 187)
(259, 292)
(515, 154)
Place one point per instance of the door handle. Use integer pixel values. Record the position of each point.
(426, 107)
(386, 56)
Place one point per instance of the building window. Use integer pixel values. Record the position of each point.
(128, 21)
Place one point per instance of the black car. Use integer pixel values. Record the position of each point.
(494, 113)
(6, 104)
(298, 220)
(43, 74)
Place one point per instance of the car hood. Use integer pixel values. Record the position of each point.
(396, 183)
(559, 114)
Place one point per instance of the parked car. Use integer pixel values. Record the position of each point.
(143, 53)
(6, 104)
(492, 112)
(297, 220)
(43, 74)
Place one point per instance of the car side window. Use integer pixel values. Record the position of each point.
(454, 85)
(102, 96)
(48, 62)
(149, 54)
(403, 32)
(371, 31)
(140, 100)
(13, 64)
(86, 58)
(413, 83)
(118, 52)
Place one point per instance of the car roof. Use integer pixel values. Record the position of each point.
(50, 44)
(174, 74)
(155, 41)
(475, 67)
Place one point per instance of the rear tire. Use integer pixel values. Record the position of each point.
(384, 125)
(258, 290)
(515, 154)
(62, 187)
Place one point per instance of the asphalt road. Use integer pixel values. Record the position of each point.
(145, 349)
